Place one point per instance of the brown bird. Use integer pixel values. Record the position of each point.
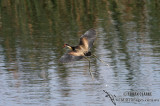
(82, 50)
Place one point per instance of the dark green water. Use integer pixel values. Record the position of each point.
(32, 34)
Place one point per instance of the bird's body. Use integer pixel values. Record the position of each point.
(83, 49)
(80, 50)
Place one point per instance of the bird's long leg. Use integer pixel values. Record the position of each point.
(89, 68)
(101, 60)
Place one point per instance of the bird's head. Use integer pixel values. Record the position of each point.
(67, 45)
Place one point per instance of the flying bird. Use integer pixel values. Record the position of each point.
(83, 50)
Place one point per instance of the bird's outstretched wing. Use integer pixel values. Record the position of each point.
(67, 57)
(88, 38)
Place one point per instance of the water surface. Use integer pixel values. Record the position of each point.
(32, 34)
